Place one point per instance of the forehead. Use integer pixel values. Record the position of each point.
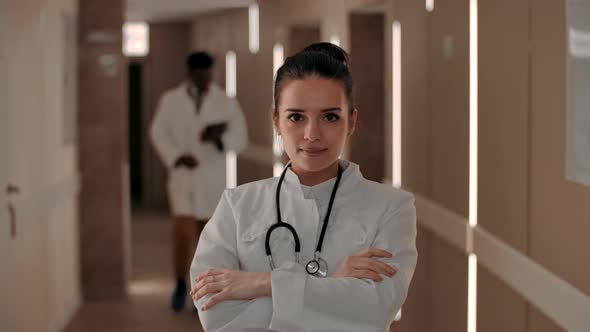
(312, 93)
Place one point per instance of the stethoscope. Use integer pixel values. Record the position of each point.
(317, 266)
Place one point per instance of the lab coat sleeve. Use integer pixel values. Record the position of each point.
(302, 302)
(236, 137)
(161, 133)
(217, 248)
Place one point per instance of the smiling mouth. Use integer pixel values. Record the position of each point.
(313, 152)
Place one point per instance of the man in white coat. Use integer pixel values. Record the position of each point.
(194, 127)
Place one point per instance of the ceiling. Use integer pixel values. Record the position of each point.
(170, 10)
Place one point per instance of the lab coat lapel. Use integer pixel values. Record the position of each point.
(301, 213)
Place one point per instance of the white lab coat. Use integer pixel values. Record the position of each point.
(176, 130)
(365, 214)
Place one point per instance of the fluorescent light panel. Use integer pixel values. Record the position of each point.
(335, 40)
(231, 169)
(396, 118)
(277, 169)
(429, 5)
(278, 55)
(230, 74)
(253, 28)
(473, 159)
(136, 39)
(231, 160)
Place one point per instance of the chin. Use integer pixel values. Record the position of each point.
(313, 164)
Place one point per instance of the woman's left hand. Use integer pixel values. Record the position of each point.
(230, 285)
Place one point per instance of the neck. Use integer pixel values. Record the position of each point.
(316, 177)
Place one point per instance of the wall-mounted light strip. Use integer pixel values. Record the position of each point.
(429, 5)
(278, 54)
(253, 28)
(231, 169)
(277, 168)
(396, 118)
(277, 149)
(231, 160)
(473, 159)
(278, 57)
(230, 74)
(335, 40)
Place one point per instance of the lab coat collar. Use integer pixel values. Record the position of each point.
(213, 90)
(350, 177)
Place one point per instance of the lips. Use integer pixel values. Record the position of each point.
(313, 152)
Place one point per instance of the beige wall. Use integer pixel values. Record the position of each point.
(45, 253)
(524, 197)
(559, 210)
(435, 106)
(504, 144)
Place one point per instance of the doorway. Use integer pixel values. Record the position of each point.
(135, 133)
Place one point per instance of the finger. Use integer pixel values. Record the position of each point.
(374, 265)
(210, 272)
(366, 274)
(370, 252)
(214, 300)
(208, 289)
(204, 281)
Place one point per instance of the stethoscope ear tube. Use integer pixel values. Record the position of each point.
(317, 267)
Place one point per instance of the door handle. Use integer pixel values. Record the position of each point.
(12, 218)
(12, 189)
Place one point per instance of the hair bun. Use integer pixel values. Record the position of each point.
(329, 49)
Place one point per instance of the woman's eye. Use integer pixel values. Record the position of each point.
(331, 117)
(295, 117)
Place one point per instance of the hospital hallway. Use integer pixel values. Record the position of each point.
(148, 305)
(480, 109)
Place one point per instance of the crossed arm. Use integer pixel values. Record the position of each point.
(364, 293)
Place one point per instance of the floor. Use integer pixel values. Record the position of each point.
(148, 307)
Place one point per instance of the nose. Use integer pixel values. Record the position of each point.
(312, 131)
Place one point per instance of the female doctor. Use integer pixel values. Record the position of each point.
(320, 248)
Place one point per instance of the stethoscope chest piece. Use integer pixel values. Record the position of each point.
(317, 267)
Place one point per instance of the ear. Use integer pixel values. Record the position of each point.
(352, 122)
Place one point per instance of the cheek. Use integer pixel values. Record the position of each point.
(290, 134)
(338, 133)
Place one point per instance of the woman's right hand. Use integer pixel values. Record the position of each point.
(365, 265)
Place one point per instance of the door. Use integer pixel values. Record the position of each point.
(6, 324)
(24, 258)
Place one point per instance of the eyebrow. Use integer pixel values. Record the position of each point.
(331, 109)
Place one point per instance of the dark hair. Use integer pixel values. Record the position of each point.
(323, 59)
(199, 60)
